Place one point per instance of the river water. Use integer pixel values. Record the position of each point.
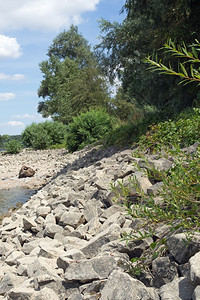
(9, 198)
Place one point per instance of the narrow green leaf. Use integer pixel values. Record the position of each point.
(184, 70)
(194, 52)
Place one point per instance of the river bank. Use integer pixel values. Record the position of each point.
(69, 240)
(45, 163)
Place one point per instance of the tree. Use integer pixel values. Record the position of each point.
(147, 26)
(72, 80)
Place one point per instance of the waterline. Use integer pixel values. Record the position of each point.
(10, 197)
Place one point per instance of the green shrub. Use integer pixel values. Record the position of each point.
(44, 135)
(13, 146)
(87, 128)
(56, 131)
(182, 132)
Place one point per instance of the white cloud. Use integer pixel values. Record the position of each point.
(9, 47)
(6, 96)
(28, 117)
(15, 123)
(50, 15)
(11, 77)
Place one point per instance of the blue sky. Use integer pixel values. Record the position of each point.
(27, 29)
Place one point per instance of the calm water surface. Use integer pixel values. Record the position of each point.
(13, 196)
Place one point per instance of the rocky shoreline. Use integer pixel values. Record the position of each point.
(66, 241)
(45, 163)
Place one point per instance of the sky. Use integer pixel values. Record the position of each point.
(27, 29)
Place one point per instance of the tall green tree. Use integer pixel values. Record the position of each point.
(146, 27)
(72, 81)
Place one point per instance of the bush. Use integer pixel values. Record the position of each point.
(44, 135)
(182, 132)
(87, 128)
(13, 146)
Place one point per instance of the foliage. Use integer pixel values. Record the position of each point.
(72, 80)
(4, 139)
(87, 128)
(120, 107)
(129, 132)
(44, 135)
(182, 132)
(178, 209)
(146, 27)
(186, 70)
(13, 146)
(73, 45)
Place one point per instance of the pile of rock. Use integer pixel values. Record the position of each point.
(65, 242)
(42, 166)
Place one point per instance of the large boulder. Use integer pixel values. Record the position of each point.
(26, 172)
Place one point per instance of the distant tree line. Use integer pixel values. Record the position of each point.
(4, 139)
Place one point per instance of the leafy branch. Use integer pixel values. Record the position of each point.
(187, 73)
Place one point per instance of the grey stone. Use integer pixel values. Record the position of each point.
(70, 255)
(178, 289)
(63, 261)
(50, 252)
(5, 248)
(182, 248)
(194, 269)
(92, 209)
(184, 270)
(8, 282)
(73, 219)
(93, 247)
(52, 229)
(12, 258)
(41, 266)
(107, 213)
(56, 284)
(46, 294)
(153, 294)
(43, 211)
(155, 189)
(28, 223)
(71, 242)
(160, 164)
(91, 228)
(11, 226)
(117, 218)
(50, 219)
(191, 149)
(92, 287)
(28, 247)
(59, 211)
(19, 293)
(102, 184)
(134, 248)
(142, 180)
(24, 237)
(163, 271)
(92, 269)
(121, 286)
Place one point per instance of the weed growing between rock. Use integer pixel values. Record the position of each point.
(175, 206)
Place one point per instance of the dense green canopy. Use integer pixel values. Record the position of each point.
(148, 24)
(72, 80)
